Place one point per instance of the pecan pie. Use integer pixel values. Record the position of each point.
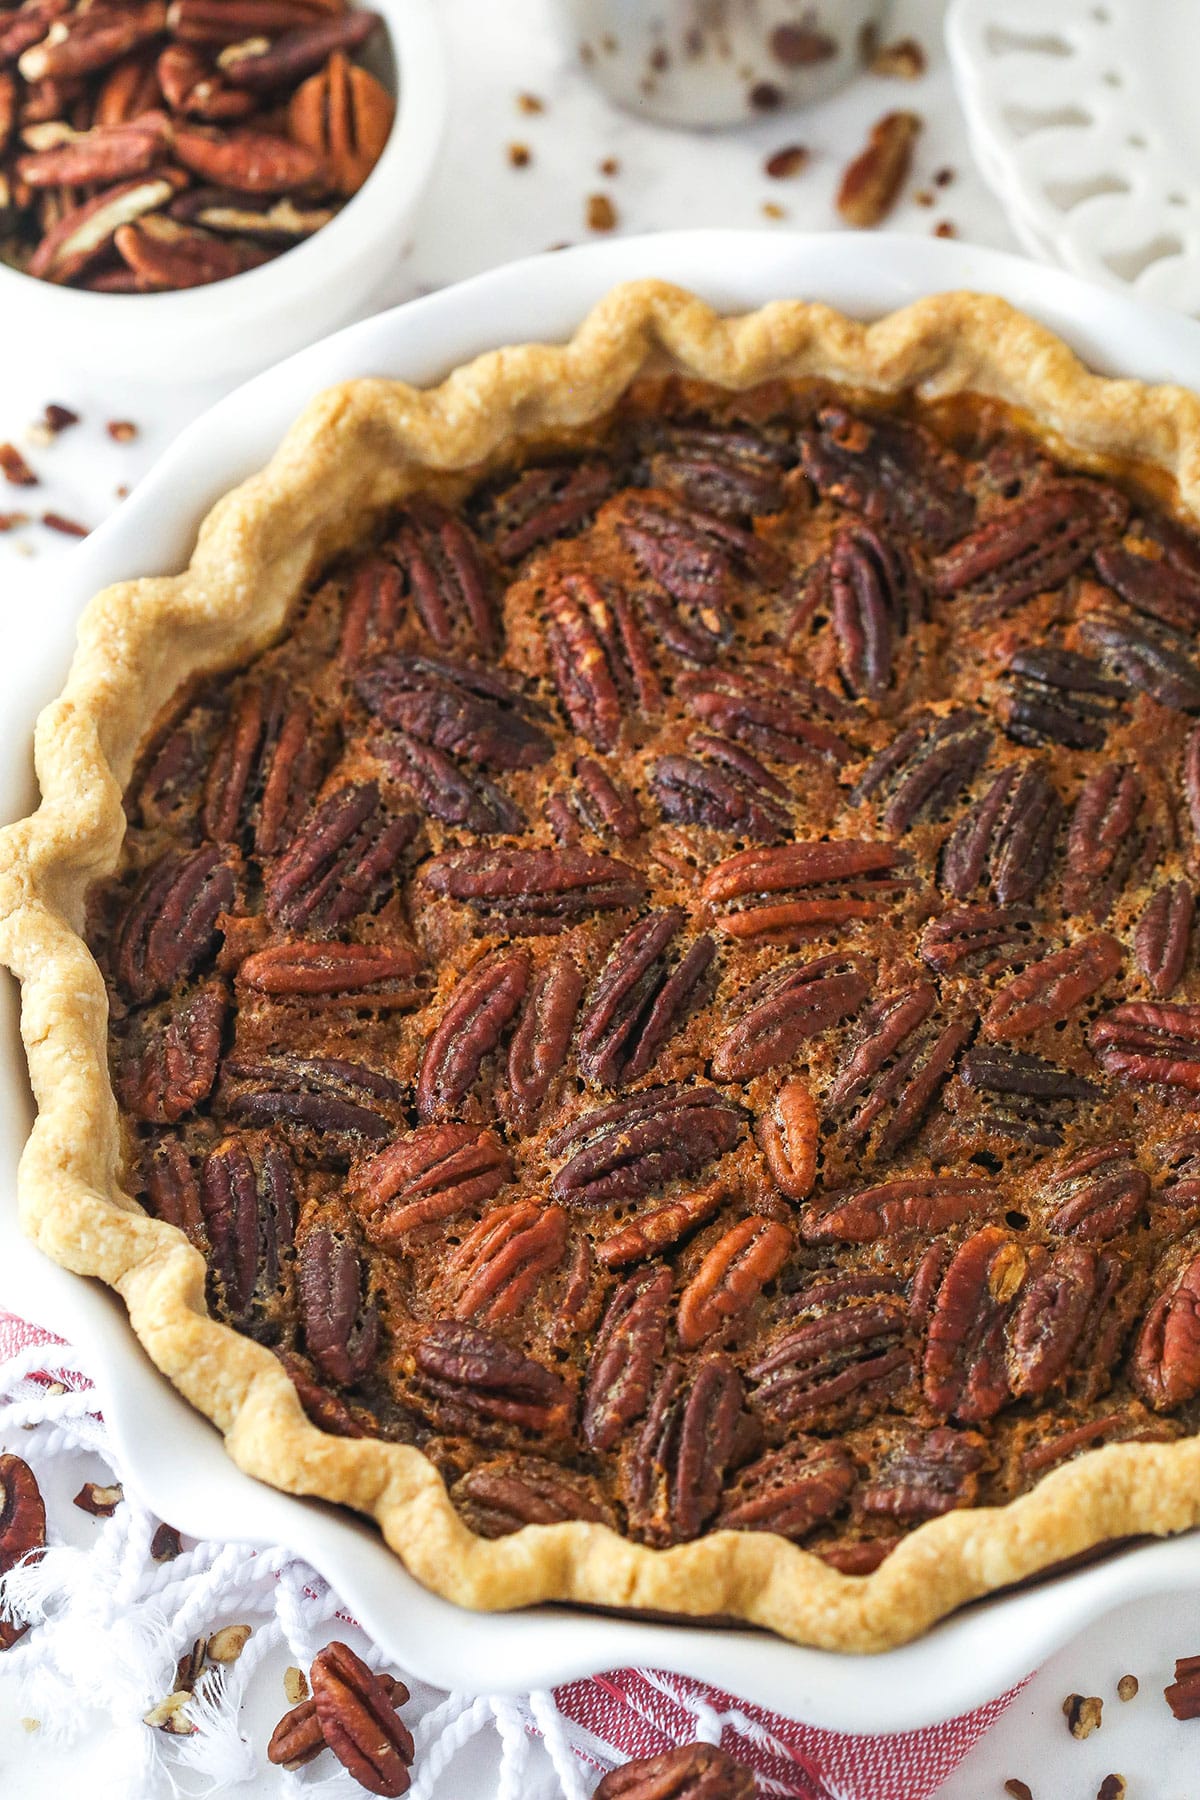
(647, 964)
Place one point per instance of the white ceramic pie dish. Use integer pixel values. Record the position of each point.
(171, 1455)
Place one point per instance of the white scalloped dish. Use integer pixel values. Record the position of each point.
(170, 1453)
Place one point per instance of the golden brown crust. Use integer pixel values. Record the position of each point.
(355, 452)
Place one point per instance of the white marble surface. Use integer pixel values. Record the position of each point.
(481, 211)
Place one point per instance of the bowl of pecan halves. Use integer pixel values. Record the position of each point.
(201, 186)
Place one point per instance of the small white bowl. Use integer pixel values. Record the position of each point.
(236, 326)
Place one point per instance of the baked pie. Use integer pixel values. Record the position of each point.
(610, 971)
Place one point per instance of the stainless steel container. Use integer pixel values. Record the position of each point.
(721, 62)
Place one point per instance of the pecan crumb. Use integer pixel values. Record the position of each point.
(772, 210)
(1127, 1687)
(945, 229)
(1183, 1695)
(601, 213)
(905, 58)
(1082, 1713)
(101, 1502)
(295, 1685)
(14, 467)
(168, 1715)
(1018, 1790)
(871, 184)
(69, 527)
(122, 490)
(57, 418)
(764, 96)
(943, 177)
(31, 1724)
(520, 155)
(1112, 1788)
(610, 166)
(227, 1644)
(787, 161)
(165, 1545)
(121, 431)
(924, 197)
(10, 521)
(800, 47)
(39, 435)
(530, 103)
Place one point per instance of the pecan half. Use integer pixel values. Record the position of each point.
(730, 1279)
(469, 1381)
(266, 764)
(722, 788)
(965, 1376)
(341, 1327)
(341, 863)
(659, 1229)
(171, 1066)
(532, 892)
(356, 1711)
(893, 472)
(599, 659)
(334, 1097)
(628, 1350)
(249, 162)
(782, 1010)
(915, 1203)
(834, 1363)
(1154, 570)
(1149, 656)
(170, 927)
(732, 471)
(789, 1491)
(1061, 697)
(341, 113)
(467, 711)
(447, 578)
(91, 40)
(925, 1474)
(171, 1191)
(596, 802)
(1033, 545)
(434, 1173)
(628, 1149)
(371, 610)
(105, 154)
(261, 63)
(1151, 1042)
(321, 973)
(674, 1470)
(1007, 836)
(1058, 1317)
(772, 716)
(1163, 935)
(545, 502)
(1165, 1367)
(788, 1132)
(641, 999)
(1098, 1194)
(926, 768)
(83, 233)
(691, 1772)
(1028, 1098)
(501, 1263)
(901, 1056)
(444, 791)
(1052, 989)
(537, 1049)
(162, 254)
(870, 185)
(193, 89)
(797, 891)
(695, 557)
(874, 598)
(498, 1498)
(22, 1527)
(470, 1030)
(249, 1207)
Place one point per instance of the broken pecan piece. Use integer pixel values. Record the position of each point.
(691, 1772)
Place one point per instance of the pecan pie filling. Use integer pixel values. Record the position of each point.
(671, 987)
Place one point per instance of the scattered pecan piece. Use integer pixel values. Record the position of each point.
(1082, 1713)
(101, 1502)
(356, 1712)
(22, 1527)
(1183, 1695)
(870, 185)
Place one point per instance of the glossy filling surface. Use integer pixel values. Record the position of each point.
(672, 987)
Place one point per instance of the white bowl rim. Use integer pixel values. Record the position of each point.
(173, 1458)
(390, 190)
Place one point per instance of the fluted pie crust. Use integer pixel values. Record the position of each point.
(357, 450)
